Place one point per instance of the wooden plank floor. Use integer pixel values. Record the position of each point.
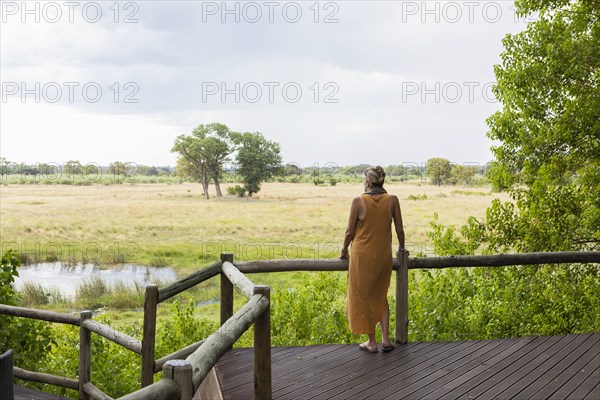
(23, 393)
(545, 367)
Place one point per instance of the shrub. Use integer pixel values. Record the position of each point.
(30, 339)
(236, 190)
(313, 313)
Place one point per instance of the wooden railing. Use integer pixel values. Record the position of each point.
(401, 264)
(86, 326)
(180, 380)
(182, 377)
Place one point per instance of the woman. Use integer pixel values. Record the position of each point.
(370, 269)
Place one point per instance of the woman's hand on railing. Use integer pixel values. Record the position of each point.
(400, 253)
(344, 255)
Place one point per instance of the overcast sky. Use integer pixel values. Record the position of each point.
(344, 82)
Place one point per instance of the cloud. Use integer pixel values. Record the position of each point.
(414, 74)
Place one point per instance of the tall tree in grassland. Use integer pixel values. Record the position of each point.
(194, 170)
(204, 151)
(73, 167)
(438, 170)
(258, 159)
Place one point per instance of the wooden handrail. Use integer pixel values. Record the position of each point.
(205, 357)
(43, 315)
(503, 260)
(177, 355)
(402, 267)
(113, 335)
(251, 267)
(165, 389)
(96, 393)
(238, 279)
(50, 379)
(494, 260)
(206, 353)
(189, 281)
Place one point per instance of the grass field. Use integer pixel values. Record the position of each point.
(173, 225)
(156, 224)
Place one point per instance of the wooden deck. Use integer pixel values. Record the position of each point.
(545, 367)
(23, 393)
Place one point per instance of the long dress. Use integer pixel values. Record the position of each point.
(370, 267)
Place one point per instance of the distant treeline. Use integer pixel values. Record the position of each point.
(436, 171)
(77, 168)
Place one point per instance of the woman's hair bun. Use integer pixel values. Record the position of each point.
(376, 176)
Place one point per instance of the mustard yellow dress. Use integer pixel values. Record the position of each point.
(370, 267)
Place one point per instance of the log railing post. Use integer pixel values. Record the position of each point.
(226, 292)
(402, 299)
(7, 375)
(85, 354)
(262, 349)
(181, 372)
(149, 334)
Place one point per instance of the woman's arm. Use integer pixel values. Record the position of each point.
(351, 229)
(397, 217)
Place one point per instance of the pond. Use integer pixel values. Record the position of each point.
(67, 278)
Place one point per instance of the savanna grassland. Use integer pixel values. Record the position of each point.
(171, 224)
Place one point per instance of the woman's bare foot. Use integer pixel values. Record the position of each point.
(368, 346)
(387, 343)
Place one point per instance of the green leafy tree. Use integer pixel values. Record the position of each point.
(258, 159)
(121, 170)
(204, 152)
(73, 167)
(195, 170)
(292, 169)
(549, 129)
(548, 158)
(462, 174)
(439, 170)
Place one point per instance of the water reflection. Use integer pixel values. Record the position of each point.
(67, 278)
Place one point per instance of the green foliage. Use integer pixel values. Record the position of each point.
(115, 370)
(549, 128)
(311, 313)
(462, 174)
(489, 303)
(31, 340)
(416, 197)
(236, 190)
(203, 153)
(8, 272)
(258, 159)
(549, 160)
(447, 242)
(110, 360)
(182, 329)
(438, 170)
(482, 303)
